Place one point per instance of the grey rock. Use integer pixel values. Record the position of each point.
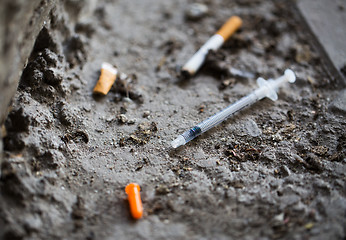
(252, 128)
(245, 198)
(122, 118)
(278, 219)
(33, 223)
(146, 114)
(196, 11)
(268, 155)
(285, 44)
(300, 208)
(285, 171)
(206, 163)
(199, 155)
(339, 103)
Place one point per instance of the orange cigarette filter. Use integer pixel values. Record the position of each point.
(133, 195)
(229, 27)
(106, 80)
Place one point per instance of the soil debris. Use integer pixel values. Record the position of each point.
(220, 67)
(273, 171)
(142, 135)
(126, 87)
(76, 136)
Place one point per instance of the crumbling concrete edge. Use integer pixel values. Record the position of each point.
(18, 39)
(20, 24)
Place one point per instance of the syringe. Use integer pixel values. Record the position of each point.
(266, 89)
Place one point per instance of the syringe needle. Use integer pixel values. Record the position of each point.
(266, 89)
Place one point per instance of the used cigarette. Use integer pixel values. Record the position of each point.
(107, 79)
(214, 43)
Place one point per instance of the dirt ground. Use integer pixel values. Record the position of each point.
(276, 170)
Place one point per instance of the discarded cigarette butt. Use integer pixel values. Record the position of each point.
(107, 79)
(133, 195)
(214, 43)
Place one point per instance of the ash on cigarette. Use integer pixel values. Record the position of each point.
(276, 170)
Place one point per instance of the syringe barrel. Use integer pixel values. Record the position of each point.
(227, 112)
(191, 133)
(219, 117)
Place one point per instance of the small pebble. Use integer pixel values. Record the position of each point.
(131, 121)
(122, 118)
(123, 76)
(309, 225)
(110, 119)
(339, 103)
(278, 219)
(126, 99)
(146, 114)
(201, 108)
(285, 171)
(252, 128)
(196, 11)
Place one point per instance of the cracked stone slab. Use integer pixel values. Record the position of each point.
(327, 21)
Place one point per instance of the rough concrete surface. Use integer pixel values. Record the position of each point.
(276, 170)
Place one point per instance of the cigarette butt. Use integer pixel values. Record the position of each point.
(106, 80)
(214, 43)
(228, 28)
(133, 194)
